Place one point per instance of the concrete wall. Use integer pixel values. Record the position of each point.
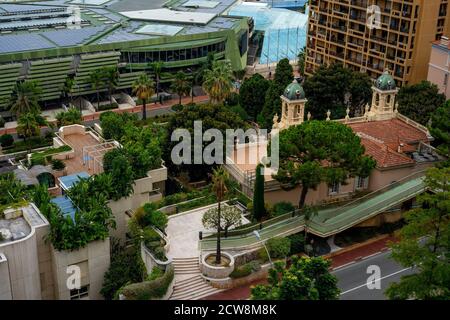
(5, 283)
(93, 260)
(317, 196)
(438, 69)
(22, 261)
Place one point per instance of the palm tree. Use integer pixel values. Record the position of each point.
(157, 67)
(181, 85)
(28, 126)
(143, 88)
(111, 76)
(218, 82)
(68, 88)
(96, 78)
(219, 179)
(25, 97)
(199, 74)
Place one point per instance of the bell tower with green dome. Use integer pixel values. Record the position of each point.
(383, 98)
(292, 107)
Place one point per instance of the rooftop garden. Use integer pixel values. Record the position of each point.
(13, 192)
(93, 218)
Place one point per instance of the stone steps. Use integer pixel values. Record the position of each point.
(193, 288)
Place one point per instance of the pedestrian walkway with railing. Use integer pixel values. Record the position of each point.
(328, 220)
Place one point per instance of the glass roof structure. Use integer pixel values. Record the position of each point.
(65, 205)
(286, 3)
(159, 29)
(166, 15)
(201, 4)
(67, 182)
(284, 30)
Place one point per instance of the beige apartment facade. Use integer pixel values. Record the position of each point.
(438, 68)
(348, 32)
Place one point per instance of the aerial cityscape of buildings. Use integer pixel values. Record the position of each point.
(98, 102)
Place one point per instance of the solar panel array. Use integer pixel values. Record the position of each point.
(38, 23)
(23, 42)
(6, 9)
(70, 37)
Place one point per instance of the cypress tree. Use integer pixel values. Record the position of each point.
(259, 210)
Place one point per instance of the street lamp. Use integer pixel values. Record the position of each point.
(258, 236)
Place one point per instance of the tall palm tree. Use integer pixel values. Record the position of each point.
(219, 179)
(111, 76)
(28, 126)
(157, 67)
(199, 74)
(68, 89)
(218, 82)
(96, 78)
(25, 97)
(143, 88)
(181, 85)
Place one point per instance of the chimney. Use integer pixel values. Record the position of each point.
(444, 41)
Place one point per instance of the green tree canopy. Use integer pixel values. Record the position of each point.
(181, 85)
(143, 88)
(419, 101)
(218, 82)
(252, 94)
(259, 210)
(113, 124)
(425, 243)
(305, 279)
(25, 97)
(272, 103)
(229, 217)
(320, 151)
(335, 88)
(440, 129)
(211, 116)
(117, 165)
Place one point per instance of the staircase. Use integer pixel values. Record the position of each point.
(194, 287)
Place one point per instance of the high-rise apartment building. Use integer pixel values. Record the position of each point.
(374, 35)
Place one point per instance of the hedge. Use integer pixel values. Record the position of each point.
(245, 270)
(148, 290)
(40, 157)
(34, 143)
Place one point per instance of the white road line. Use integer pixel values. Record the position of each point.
(364, 285)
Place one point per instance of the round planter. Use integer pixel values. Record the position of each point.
(217, 272)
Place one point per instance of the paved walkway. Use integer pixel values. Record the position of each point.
(243, 292)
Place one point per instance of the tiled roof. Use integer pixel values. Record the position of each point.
(382, 139)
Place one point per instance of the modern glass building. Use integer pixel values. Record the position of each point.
(52, 41)
(284, 31)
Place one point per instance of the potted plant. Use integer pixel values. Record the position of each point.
(58, 166)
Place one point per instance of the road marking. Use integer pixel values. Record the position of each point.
(351, 263)
(364, 285)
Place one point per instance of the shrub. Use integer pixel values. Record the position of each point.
(177, 107)
(149, 289)
(6, 140)
(154, 243)
(281, 208)
(154, 217)
(297, 243)
(155, 274)
(262, 255)
(245, 270)
(58, 164)
(279, 247)
(2, 122)
(240, 112)
(232, 99)
(126, 267)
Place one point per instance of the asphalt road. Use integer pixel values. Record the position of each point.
(352, 279)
